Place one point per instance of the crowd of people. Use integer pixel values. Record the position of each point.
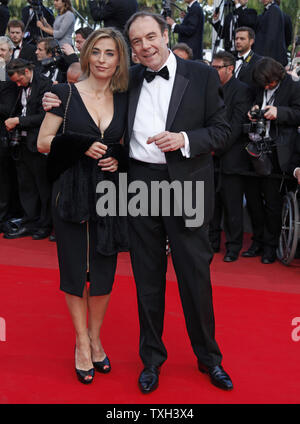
(75, 115)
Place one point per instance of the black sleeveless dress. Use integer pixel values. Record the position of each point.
(77, 242)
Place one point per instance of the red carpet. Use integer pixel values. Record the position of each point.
(254, 307)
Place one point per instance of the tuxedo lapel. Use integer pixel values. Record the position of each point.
(179, 87)
(134, 94)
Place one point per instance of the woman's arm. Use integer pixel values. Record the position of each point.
(48, 130)
(66, 22)
(45, 27)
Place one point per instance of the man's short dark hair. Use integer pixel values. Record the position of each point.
(142, 14)
(251, 33)
(18, 66)
(49, 43)
(227, 58)
(84, 32)
(184, 47)
(268, 70)
(15, 23)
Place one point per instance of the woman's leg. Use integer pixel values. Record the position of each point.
(78, 310)
(97, 306)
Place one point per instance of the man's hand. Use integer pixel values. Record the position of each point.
(256, 107)
(297, 175)
(67, 49)
(11, 123)
(167, 141)
(109, 164)
(50, 100)
(271, 113)
(170, 21)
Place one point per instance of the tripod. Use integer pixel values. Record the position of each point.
(228, 7)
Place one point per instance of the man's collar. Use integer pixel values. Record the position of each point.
(191, 4)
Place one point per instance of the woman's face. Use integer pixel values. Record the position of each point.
(104, 59)
(58, 4)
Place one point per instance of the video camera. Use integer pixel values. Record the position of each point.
(57, 59)
(166, 5)
(36, 5)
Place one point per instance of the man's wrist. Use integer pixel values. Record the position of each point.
(295, 170)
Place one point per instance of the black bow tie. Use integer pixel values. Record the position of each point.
(17, 48)
(150, 75)
(240, 58)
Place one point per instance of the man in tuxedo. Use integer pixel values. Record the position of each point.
(190, 31)
(113, 13)
(245, 57)
(279, 96)
(21, 50)
(34, 189)
(240, 16)
(270, 39)
(170, 142)
(233, 163)
(4, 16)
(6, 49)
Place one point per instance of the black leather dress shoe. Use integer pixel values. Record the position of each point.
(269, 255)
(254, 250)
(218, 376)
(41, 234)
(21, 232)
(230, 257)
(148, 380)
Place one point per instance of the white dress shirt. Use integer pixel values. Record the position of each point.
(151, 117)
(239, 62)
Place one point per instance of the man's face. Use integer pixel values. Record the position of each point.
(5, 53)
(243, 2)
(266, 2)
(22, 80)
(148, 43)
(79, 40)
(271, 85)
(16, 35)
(225, 72)
(242, 42)
(41, 51)
(181, 53)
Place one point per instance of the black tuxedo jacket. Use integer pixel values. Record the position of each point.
(4, 18)
(284, 128)
(28, 52)
(270, 35)
(190, 31)
(238, 101)
(245, 17)
(35, 112)
(114, 13)
(245, 74)
(196, 107)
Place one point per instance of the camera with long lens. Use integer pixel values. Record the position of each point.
(36, 5)
(57, 59)
(259, 142)
(166, 5)
(15, 143)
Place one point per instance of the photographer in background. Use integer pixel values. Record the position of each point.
(4, 16)
(113, 13)
(21, 49)
(30, 15)
(278, 99)
(240, 16)
(190, 31)
(23, 125)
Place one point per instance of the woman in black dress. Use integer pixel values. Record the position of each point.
(82, 137)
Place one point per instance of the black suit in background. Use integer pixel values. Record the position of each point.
(190, 31)
(270, 39)
(27, 52)
(241, 17)
(4, 18)
(232, 165)
(32, 32)
(264, 199)
(246, 71)
(34, 188)
(114, 13)
(196, 88)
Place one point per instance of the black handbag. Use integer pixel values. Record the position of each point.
(261, 161)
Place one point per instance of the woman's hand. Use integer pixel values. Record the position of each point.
(97, 150)
(40, 24)
(109, 164)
